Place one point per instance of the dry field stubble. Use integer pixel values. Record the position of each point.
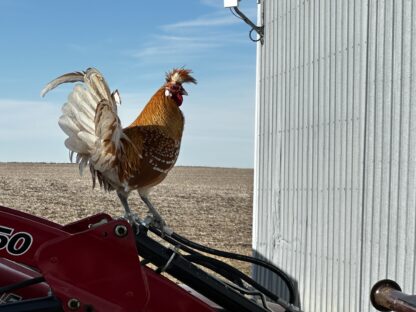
(212, 206)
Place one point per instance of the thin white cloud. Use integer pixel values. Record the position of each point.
(202, 22)
(173, 45)
(213, 3)
(220, 18)
(193, 38)
(184, 48)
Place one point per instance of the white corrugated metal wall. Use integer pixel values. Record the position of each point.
(335, 165)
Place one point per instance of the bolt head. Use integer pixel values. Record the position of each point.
(120, 230)
(74, 304)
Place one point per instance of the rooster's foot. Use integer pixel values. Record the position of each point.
(133, 219)
(158, 223)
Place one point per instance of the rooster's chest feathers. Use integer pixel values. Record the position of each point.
(159, 156)
(161, 152)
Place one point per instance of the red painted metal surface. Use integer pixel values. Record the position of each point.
(12, 272)
(38, 231)
(86, 223)
(88, 260)
(168, 296)
(96, 267)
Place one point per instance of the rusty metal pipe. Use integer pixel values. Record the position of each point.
(386, 295)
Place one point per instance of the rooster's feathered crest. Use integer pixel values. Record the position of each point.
(180, 76)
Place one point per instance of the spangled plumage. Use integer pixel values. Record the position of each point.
(134, 158)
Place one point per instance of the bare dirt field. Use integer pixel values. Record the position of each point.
(212, 206)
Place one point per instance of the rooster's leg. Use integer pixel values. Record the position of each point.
(155, 218)
(128, 215)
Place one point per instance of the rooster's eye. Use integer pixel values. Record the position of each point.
(175, 88)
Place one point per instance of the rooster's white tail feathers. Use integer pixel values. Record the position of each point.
(92, 132)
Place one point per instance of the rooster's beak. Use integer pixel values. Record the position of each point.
(183, 92)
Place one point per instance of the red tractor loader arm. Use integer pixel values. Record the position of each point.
(101, 264)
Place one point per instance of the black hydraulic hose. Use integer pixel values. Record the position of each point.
(194, 256)
(221, 265)
(230, 255)
(211, 262)
(216, 266)
(193, 276)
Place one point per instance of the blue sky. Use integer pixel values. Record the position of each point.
(133, 43)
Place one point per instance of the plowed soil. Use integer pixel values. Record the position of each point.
(212, 206)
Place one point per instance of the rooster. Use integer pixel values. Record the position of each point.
(134, 158)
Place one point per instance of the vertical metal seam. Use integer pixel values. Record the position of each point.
(280, 101)
(410, 112)
(374, 124)
(352, 277)
(276, 160)
(303, 185)
(400, 137)
(383, 125)
(288, 125)
(318, 127)
(292, 120)
(280, 117)
(364, 148)
(266, 145)
(389, 221)
(334, 143)
(298, 259)
(326, 92)
(347, 268)
(268, 133)
(343, 149)
(306, 276)
(284, 115)
(329, 282)
(406, 199)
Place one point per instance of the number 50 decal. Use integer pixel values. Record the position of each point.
(17, 243)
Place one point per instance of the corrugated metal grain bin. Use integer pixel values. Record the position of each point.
(335, 168)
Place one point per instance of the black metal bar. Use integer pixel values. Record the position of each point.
(22, 284)
(386, 295)
(46, 304)
(193, 276)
